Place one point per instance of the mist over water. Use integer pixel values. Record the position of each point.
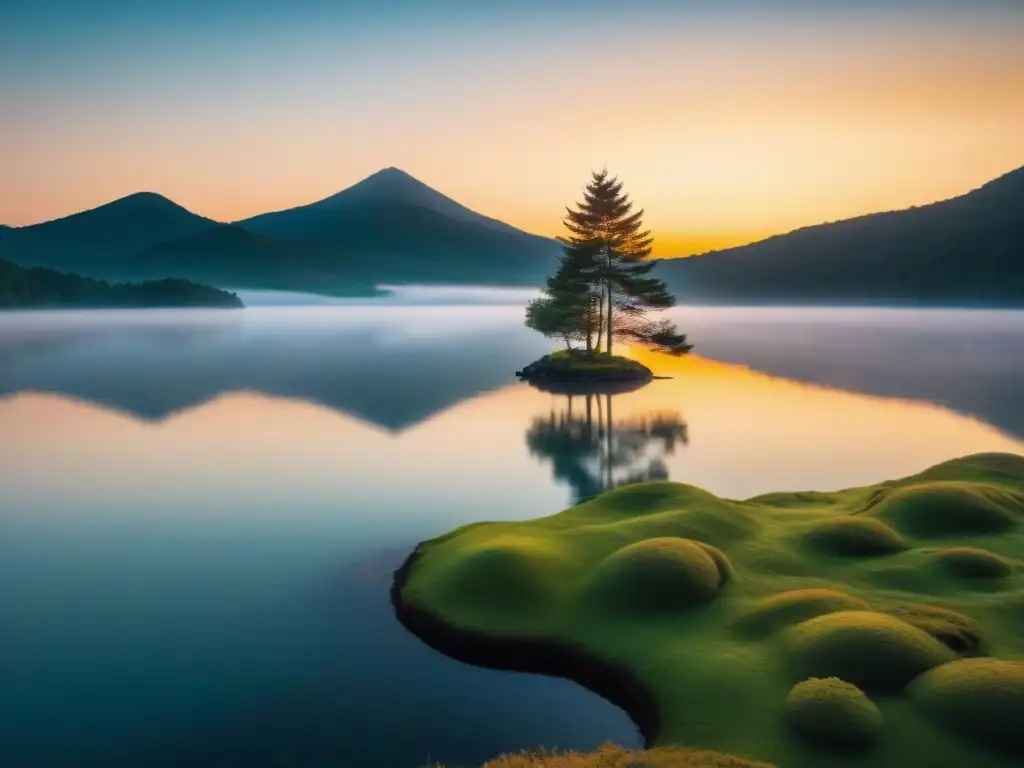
(444, 295)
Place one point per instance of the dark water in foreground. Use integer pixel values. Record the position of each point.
(200, 511)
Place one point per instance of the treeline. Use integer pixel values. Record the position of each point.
(38, 287)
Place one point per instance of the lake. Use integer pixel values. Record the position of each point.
(201, 511)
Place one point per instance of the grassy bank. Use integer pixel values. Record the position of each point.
(702, 616)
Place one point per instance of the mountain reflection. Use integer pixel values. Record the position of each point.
(592, 451)
(396, 366)
(391, 366)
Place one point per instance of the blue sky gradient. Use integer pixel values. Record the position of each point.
(234, 107)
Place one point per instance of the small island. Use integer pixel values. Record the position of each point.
(41, 288)
(878, 625)
(602, 293)
(578, 367)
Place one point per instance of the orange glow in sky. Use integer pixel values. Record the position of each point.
(724, 130)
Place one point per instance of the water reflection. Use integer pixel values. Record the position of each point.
(396, 366)
(592, 451)
(392, 366)
(209, 588)
(969, 360)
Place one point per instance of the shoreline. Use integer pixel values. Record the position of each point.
(606, 679)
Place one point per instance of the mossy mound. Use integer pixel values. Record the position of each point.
(507, 573)
(770, 614)
(948, 508)
(656, 497)
(855, 536)
(982, 699)
(726, 573)
(656, 575)
(1004, 469)
(973, 563)
(956, 631)
(833, 712)
(875, 651)
(697, 613)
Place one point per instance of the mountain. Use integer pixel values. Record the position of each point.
(397, 229)
(230, 256)
(387, 228)
(965, 251)
(39, 287)
(123, 227)
(15, 242)
(390, 186)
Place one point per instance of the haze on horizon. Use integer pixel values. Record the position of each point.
(726, 125)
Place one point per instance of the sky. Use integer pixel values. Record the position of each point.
(727, 121)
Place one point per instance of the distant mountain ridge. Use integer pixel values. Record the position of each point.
(963, 251)
(127, 225)
(392, 228)
(388, 228)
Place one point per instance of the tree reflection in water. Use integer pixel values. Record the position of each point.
(593, 451)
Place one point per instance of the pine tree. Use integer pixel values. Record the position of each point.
(608, 249)
(566, 309)
(574, 284)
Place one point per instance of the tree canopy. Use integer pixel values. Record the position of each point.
(602, 290)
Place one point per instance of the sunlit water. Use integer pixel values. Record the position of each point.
(200, 511)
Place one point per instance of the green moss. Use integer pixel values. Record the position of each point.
(956, 631)
(508, 574)
(715, 608)
(833, 712)
(855, 536)
(876, 651)
(771, 614)
(973, 563)
(726, 573)
(949, 508)
(643, 499)
(655, 575)
(983, 699)
(992, 468)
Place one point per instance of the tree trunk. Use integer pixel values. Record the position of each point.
(600, 320)
(608, 286)
(609, 333)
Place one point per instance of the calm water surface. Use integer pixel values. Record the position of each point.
(200, 511)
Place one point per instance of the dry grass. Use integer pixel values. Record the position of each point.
(613, 756)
